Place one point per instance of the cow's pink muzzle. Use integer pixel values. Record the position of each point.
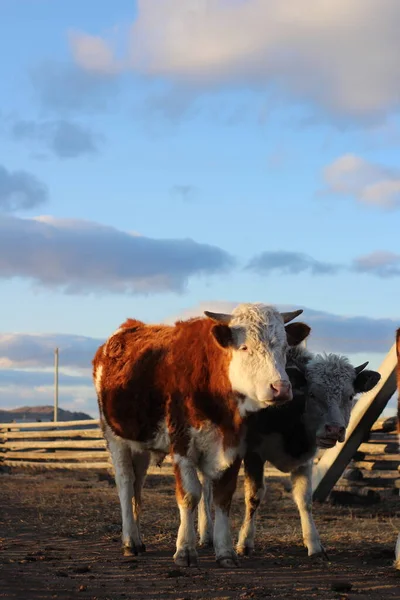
(281, 391)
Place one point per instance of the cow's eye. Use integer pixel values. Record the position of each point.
(243, 347)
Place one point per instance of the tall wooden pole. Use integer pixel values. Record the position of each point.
(56, 385)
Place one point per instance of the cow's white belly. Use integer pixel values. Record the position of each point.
(160, 443)
(207, 452)
(272, 449)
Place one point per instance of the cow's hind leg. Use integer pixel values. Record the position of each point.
(254, 490)
(397, 553)
(188, 492)
(223, 490)
(302, 494)
(205, 523)
(121, 456)
(140, 463)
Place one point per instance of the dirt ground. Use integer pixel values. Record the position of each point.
(60, 538)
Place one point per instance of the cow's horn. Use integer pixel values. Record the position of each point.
(220, 317)
(289, 316)
(361, 367)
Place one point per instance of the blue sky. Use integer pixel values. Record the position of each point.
(161, 156)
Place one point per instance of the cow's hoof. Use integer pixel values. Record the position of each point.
(245, 550)
(133, 550)
(229, 561)
(207, 542)
(320, 555)
(186, 558)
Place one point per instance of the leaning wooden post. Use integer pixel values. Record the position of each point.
(368, 408)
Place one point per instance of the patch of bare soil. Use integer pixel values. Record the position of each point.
(60, 538)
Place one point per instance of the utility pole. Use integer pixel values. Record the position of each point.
(56, 385)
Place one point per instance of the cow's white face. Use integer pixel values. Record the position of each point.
(256, 337)
(332, 386)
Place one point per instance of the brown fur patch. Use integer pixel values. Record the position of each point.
(180, 491)
(183, 497)
(178, 424)
(225, 486)
(178, 373)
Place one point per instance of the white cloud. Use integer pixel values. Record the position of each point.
(27, 375)
(65, 89)
(362, 338)
(41, 378)
(371, 184)
(330, 332)
(65, 139)
(36, 351)
(290, 263)
(82, 257)
(92, 53)
(341, 56)
(382, 264)
(20, 190)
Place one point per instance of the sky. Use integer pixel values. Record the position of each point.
(159, 158)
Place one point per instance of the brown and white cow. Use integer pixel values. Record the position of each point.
(186, 389)
(397, 549)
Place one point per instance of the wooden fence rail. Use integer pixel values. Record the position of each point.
(49, 424)
(80, 445)
(61, 445)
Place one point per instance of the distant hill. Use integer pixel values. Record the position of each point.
(42, 413)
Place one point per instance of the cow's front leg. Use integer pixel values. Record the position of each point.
(188, 492)
(204, 520)
(254, 490)
(223, 489)
(302, 494)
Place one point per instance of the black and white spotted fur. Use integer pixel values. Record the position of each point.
(288, 436)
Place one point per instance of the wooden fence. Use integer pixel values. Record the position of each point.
(60, 445)
(373, 471)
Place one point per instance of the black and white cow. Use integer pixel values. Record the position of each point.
(288, 436)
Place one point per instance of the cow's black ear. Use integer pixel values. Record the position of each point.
(223, 335)
(297, 333)
(366, 381)
(297, 378)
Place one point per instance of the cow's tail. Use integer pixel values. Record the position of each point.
(97, 374)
